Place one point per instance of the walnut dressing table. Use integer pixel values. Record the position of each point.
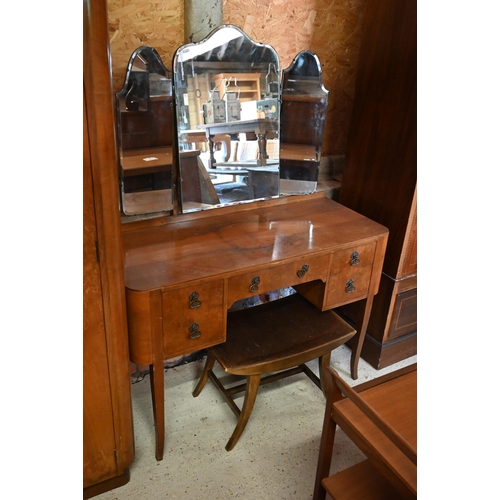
(184, 272)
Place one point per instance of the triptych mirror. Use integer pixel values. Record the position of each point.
(243, 131)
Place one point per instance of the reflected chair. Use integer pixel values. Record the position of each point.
(276, 338)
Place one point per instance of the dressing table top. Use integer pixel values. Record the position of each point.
(225, 241)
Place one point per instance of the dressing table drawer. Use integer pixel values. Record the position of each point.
(272, 278)
(350, 274)
(193, 318)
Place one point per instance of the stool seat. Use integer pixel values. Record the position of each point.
(279, 336)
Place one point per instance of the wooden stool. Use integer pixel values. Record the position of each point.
(279, 336)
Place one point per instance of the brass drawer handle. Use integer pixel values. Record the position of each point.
(193, 300)
(355, 259)
(194, 333)
(303, 270)
(349, 286)
(255, 284)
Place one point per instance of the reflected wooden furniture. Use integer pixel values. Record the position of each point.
(247, 85)
(380, 178)
(183, 273)
(380, 417)
(140, 162)
(145, 136)
(278, 337)
(263, 128)
(199, 136)
(108, 434)
(196, 187)
(301, 140)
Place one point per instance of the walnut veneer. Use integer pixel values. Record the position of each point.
(182, 274)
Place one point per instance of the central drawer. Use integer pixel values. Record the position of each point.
(193, 318)
(272, 278)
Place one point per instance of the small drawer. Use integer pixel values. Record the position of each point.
(193, 318)
(350, 274)
(264, 280)
(353, 258)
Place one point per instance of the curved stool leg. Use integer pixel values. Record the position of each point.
(253, 382)
(209, 364)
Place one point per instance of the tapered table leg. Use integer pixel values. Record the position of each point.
(158, 373)
(157, 395)
(360, 336)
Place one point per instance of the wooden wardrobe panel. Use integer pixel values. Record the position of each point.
(99, 443)
(108, 430)
(381, 173)
(380, 178)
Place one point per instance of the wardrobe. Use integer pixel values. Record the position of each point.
(380, 178)
(108, 439)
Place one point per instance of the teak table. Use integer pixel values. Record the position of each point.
(184, 273)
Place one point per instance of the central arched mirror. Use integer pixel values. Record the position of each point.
(227, 93)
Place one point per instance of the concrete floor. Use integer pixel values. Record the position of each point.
(275, 457)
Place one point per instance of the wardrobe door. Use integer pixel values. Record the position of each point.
(99, 462)
(108, 438)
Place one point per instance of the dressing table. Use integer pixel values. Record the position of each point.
(183, 273)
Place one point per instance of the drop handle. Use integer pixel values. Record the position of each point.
(254, 287)
(193, 300)
(303, 270)
(194, 333)
(349, 286)
(355, 259)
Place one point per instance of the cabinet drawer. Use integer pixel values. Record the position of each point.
(264, 280)
(350, 274)
(193, 318)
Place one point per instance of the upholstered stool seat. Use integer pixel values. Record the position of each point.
(276, 338)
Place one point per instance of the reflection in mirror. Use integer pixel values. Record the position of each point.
(304, 96)
(144, 109)
(227, 94)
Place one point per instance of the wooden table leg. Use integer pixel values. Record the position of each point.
(326, 443)
(211, 145)
(360, 336)
(157, 395)
(262, 154)
(157, 374)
